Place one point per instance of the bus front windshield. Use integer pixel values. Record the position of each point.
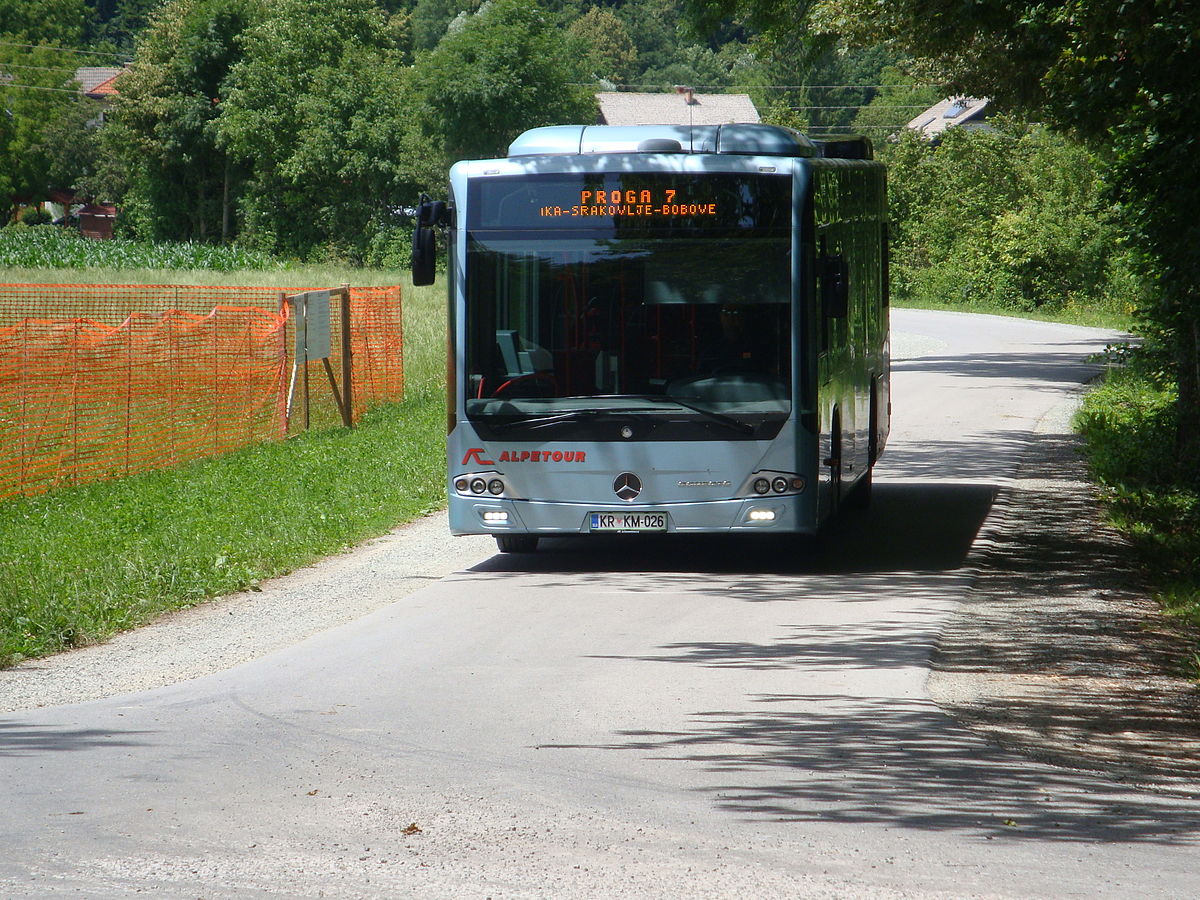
(660, 328)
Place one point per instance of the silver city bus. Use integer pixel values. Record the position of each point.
(662, 329)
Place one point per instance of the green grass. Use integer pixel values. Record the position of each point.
(83, 562)
(1128, 423)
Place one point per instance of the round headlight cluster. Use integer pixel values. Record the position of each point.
(477, 484)
(779, 484)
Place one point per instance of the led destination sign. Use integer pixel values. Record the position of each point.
(631, 200)
(638, 203)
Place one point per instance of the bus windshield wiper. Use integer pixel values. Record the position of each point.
(712, 414)
(568, 416)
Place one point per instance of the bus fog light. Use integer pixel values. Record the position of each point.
(495, 517)
(779, 484)
(761, 515)
(761, 486)
(495, 486)
(478, 485)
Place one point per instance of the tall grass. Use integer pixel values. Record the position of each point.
(83, 562)
(1128, 423)
(44, 246)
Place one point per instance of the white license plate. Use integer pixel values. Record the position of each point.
(629, 521)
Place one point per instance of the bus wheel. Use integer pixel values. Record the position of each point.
(516, 543)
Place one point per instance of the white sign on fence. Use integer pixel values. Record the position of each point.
(312, 325)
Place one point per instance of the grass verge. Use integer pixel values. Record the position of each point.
(84, 562)
(1128, 423)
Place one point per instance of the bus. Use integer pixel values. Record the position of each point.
(662, 329)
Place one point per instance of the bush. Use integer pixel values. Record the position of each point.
(35, 215)
(1010, 218)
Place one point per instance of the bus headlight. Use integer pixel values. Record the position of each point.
(496, 486)
(478, 485)
(769, 482)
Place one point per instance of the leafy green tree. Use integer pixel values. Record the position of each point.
(319, 114)
(117, 23)
(498, 72)
(1010, 216)
(1117, 72)
(181, 184)
(431, 18)
(38, 93)
(57, 23)
(608, 49)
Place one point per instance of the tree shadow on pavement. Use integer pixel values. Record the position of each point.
(898, 763)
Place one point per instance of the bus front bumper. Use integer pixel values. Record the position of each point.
(779, 514)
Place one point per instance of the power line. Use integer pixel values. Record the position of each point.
(8, 65)
(64, 50)
(5, 85)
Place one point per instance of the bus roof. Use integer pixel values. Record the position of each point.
(738, 139)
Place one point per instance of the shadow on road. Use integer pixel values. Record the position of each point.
(911, 527)
(22, 739)
(897, 763)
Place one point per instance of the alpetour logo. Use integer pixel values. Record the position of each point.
(475, 455)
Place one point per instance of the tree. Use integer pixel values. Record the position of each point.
(1116, 72)
(610, 53)
(318, 112)
(181, 184)
(495, 74)
(57, 23)
(36, 89)
(39, 92)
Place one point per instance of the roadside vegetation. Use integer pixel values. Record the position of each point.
(46, 247)
(278, 143)
(1129, 424)
(84, 562)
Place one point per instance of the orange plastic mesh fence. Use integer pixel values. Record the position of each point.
(98, 381)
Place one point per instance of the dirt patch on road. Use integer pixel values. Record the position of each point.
(1059, 650)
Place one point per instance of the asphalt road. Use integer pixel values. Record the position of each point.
(619, 717)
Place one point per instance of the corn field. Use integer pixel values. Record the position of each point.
(48, 247)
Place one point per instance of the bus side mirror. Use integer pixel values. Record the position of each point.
(429, 213)
(835, 286)
(424, 255)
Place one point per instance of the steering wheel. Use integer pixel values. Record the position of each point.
(545, 377)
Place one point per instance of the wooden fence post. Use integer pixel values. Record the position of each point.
(347, 363)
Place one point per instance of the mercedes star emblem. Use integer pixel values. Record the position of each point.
(627, 486)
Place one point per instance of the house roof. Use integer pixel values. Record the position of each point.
(685, 107)
(951, 112)
(98, 80)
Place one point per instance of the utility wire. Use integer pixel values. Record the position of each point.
(121, 56)
(5, 85)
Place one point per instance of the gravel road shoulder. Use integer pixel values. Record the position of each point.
(222, 633)
(1059, 649)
